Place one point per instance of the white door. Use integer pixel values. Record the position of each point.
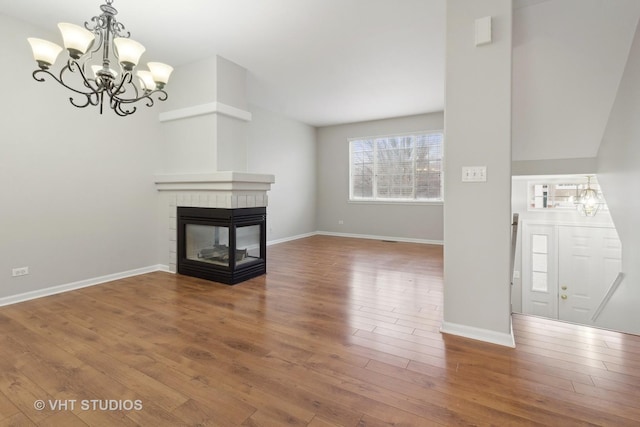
(539, 270)
(589, 261)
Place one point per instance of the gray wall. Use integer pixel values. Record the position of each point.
(76, 187)
(585, 166)
(403, 221)
(619, 177)
(285, 148)
(478, 133)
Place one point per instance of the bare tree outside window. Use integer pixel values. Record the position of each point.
(397, 168)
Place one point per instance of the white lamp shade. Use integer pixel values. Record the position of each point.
(77, 40)
(160, 72)
(128, 51)
(44, 52)
(146, 80)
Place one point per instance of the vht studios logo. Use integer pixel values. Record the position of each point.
(88, 405)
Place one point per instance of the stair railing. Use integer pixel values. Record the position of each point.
(608, 295)
(514, 238)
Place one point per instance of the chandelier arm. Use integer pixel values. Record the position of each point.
(117, 106)
(161, 96)
(86, 81)
(120, 88)
(92, 97)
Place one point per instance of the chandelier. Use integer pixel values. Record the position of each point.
(88, 73)
(588, 201)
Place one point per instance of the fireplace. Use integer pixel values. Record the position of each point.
(222, 245)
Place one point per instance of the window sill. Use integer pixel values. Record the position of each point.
(399, 202)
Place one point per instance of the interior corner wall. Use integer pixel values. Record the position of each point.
(204, 139)
(478, 133)
(232, 133)
(402, 221)
(619, 178)
(232, 83)
(285, 148)
(76, 187)
(190, 85)
(232, 150)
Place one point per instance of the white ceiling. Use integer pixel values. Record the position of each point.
(336, 61)
(318, 61)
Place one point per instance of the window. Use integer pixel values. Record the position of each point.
(557, 195)
(397, 168)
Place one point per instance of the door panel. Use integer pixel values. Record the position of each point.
(589, 261)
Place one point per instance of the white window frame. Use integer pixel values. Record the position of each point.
(579, 182)
(381, 200)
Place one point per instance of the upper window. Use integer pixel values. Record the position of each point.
(397, 168)
(558, 195)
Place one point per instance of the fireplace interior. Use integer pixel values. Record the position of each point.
(222, 245)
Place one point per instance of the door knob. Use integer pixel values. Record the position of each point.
(564, 288)
(563, 296)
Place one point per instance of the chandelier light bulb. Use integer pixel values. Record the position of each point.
(128, 52)
(44, 52)
(146, 80)
(160, 72)
(77, 40)
(588, 202)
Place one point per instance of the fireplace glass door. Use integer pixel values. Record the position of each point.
(207, 243)
(248, 243)
(223, 245)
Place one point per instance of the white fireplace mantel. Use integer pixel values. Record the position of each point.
(214, 181)
(223, 190)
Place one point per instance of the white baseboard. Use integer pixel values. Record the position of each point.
(486, 335)
(13, 299)
(165, 268)
(289, 239)
(390, 238)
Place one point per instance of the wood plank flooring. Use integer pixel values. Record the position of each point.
(340, 332)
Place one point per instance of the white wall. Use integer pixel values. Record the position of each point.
(423, 222)
(568, 57)
(285, 148)
(584, 166)
(202, 143)
(619, 177)
(478, 133)
(76, 188)
(192, 85)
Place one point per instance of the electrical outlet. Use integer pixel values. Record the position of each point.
(340, 222)
(20, 271)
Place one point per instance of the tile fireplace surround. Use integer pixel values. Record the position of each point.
(228, 190)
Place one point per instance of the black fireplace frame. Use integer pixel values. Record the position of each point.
(231, 218)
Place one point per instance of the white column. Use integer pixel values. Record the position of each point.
(478, 133)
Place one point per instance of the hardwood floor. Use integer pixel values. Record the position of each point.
(340, 332)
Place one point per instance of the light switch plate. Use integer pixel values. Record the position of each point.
(474, 174)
